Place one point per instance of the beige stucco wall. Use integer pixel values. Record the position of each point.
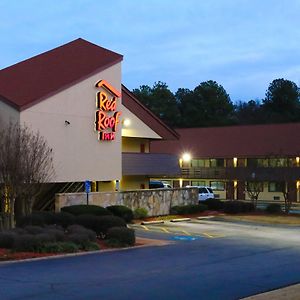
(157, 201)
(133, 182)
(78, 154)
(137, 128)
(134, 144)
(8, 114)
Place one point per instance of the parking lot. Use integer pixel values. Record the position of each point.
(206, 259)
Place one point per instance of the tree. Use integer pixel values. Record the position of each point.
(250, 112)
(160, 100)
(208, 105)
(25, 163)
(254, 188)
(282, 102)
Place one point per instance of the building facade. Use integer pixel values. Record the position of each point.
(74, 97)
(238, 160)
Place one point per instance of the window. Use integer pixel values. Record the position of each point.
(198, 163)
(278, 162)
(257, 162)
(276, 186)
(217, 185)
(198, 183)
(219, 162)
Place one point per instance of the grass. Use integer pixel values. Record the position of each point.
(268, 219)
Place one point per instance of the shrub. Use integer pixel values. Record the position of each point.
(26, 242)
(140, 213)
(104, 223)
(58, 235)
(33, 229)
(274, 208)
(100, 224)
(7, 239)
(47, 216)
(188, 209)
(91, 246)
(64, 219)
(121, 211)
(78, 238)
(73, 229)
(82, 209)
(120, 237)
(59, 247)
(235, 206)
(213, 204)
(32, 219)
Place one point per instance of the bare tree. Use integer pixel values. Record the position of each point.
(25, 163)
(254, 188)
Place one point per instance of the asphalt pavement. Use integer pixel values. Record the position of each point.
(223, 261)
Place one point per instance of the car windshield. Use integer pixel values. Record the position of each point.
(210, 190)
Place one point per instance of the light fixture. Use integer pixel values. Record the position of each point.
(67, 122)
(126, 122)
(186, 157)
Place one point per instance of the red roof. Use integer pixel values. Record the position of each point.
(147, 116)
(36, 78)
(234, 141)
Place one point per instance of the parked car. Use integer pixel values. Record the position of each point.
(155, 184)
(167, 186)
(205, 193)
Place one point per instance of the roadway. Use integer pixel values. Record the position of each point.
(209, 260)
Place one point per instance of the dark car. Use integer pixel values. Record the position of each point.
(155, 184)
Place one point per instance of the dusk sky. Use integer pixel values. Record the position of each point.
(241, 44)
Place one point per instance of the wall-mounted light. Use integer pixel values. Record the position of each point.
(126, 122)
(235, 162)
(67, 122)
(186, 157)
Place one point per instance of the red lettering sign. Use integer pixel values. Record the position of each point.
(106, 102)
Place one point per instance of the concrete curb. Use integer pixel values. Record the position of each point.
(206, 217)
(181, 220)
(152, 222)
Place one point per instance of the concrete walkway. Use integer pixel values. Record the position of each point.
(291, 293)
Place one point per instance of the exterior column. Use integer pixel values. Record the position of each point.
(230, 190)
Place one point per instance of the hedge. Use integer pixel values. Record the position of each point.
(120, 237)
(188, 209)
(121, 211)
(213, 204)
(273, 208)
(82, 209)
(236, 206)
(140, 213)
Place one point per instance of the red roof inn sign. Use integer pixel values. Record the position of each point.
(107, 118)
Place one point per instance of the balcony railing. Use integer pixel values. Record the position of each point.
(243, 173)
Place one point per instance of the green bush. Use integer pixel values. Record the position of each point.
(235, 207)
(26, 242)
(74, 229)
(121, 211)
(79, 239)
(58, 235)
(82, 209)
(32, 219)
(104, 223)
(64, 219)
(91, 246)
(140, 213)
(100, 224)
(59, 247)
(33, 229)
(274, 208)
(120, 237)
(7, 239)
(188, 209)
(47, 216)
(213, 204)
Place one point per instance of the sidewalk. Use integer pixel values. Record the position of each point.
(291, 293)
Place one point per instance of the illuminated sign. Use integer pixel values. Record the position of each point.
(106, 118)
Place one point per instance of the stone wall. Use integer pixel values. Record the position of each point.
(156, 201)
